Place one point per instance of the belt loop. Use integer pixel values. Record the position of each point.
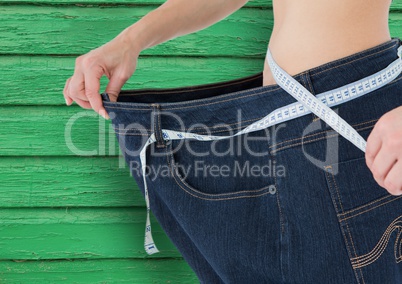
(306, 78)
(157, 127)
(105, 97)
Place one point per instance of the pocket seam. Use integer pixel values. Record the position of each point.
(373, 255)
(393, 198)
(345, 215)
(345, 231)
(212, 197)
(318, 139)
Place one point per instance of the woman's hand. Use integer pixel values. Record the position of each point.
(116, 59)
(384, 151)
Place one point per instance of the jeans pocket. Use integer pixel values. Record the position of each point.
(225, 169)
(370, 220)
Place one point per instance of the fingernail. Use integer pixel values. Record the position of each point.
(66, 102)
(104, 114)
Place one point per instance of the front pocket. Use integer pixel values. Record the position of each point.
(370, 219)
(225, 169)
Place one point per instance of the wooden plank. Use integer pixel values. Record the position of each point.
(396, 4)
(56, 32)
(45, 126)
(39, 80)
(97, 271)
(41, 131)
(395, 25)
(251, 3)
(71, 233)
(67, 182)
(76, 30)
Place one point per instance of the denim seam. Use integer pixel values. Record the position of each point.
(128, 108)
(311, 71)
(317, 139)
(281, 219)
(215, 100)
(366, 205)
(222, 101)
(302, 78)
(282, 232)
(310, 85)
(162, 143)
(272, 151)
(315, 134)
(334, 202)
(349, 62)
(202, 132)
(189, 89)
(277, 197)
(218, 100)
(347, 229)
(399, 258)
(206, 132)
(311, 89)
(216, 131)
(175, 175)
(196, 247)
(282, 225)
(235, 128)
(132, 134)
(374, 251)
(354, 125)
(154, 118)
(229, 124)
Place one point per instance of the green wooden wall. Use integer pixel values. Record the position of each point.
(66, 218)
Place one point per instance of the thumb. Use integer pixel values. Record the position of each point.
(114, 86)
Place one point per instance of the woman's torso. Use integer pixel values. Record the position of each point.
(310, 33)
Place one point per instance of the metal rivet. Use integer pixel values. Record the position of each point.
(272, 189)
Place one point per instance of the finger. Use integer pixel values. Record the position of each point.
(382, 164)
(68, 100)
(374, 143)
(114, 86)
(83, 104)
(92, 86)
(76, 87)
(393, 180)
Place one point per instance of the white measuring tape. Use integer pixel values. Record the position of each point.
(307, 103)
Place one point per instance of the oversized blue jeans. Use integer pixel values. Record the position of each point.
(294, 203)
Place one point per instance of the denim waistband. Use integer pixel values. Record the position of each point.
(226, 107)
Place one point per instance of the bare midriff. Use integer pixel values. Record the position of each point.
(309, 33)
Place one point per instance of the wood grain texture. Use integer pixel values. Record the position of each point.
(76, 233)
(396, 4)
(251, 3)
(67, 182)
(76, 30)
(39, 80)
(150, 271)
(73, 219)
(40, 131)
